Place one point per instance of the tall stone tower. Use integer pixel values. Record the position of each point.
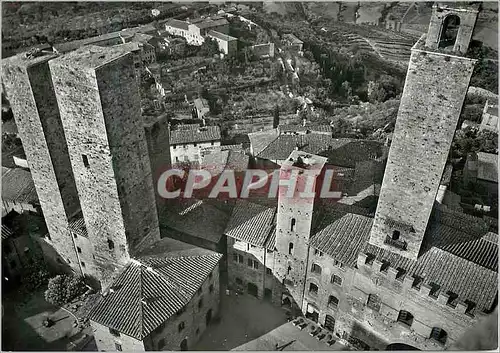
(99, 101)
(293, 223)
(436, 85)
(29, 88)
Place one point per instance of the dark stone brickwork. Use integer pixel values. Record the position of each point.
(99, 102)
(435, 89)
(29, 89)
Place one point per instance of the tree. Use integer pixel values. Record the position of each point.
(209, 48)
(64, 288)
(276, 117)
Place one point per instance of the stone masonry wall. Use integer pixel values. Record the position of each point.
(128, 148)
(27, 108)
(467, 22)
(105, 341)
(432, 100)
(194, 318)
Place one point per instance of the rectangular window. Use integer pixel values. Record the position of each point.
(269, 271)
(235, 257)
(255, 264)
(373, 302)
(250, 262)
(79, 250)
(85, 161)
(240, 259)
(336, 280)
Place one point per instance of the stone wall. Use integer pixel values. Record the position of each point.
(33, 106)
(435, 89)
(105, 341)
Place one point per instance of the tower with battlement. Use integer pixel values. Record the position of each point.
(436, 85)
(293, 223)
(99, 101)
(30, 90)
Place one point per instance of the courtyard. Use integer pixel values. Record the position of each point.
(23, 329)
(247, 323)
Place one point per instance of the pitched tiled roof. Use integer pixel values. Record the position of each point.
(6, 232)
(344, 238)
(177, 24)
(221, 36)
(457, 253)
(487, 166)
(188, 215)
(148, 292)
(77, 226)
(300, 128)
(208, 23)
(251, 223)
(200, 103)
(261, 139)
(453, 273)
(348, 154)
(201, 134)
(283, 145)
(18, 186)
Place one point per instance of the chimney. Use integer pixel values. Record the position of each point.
(304, 122)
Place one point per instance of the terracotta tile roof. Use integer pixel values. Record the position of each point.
(353, 151)
(303, 129)
(148, 292)
(208, 23)
(283, 145)
(18, 186)
(261, 139)
(458, 253)
(221, 36)
(77, 226)
(344, 238)
(177, 24)
(6, 232)
(487, 166)
(251, 223)
(187, 215)
(451, 272)
(200, 134)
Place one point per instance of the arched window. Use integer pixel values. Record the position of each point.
(333, 302)
(292, 227)
(290, 249)
(439, 335)
(316, 269)
(405, 317)
(313, 289)
(449, 31)
(336, 280)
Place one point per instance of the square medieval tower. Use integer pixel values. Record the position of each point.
(436, 85)
(99, 101)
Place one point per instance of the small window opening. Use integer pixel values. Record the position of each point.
(85, 161)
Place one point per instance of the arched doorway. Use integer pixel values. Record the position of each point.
(401, 347)
(312, 312)
(449, 31)
(286, 302)
(208, 317)
(184, 344)
(252, 289)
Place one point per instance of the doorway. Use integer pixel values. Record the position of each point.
(329, 323)
(312, 313)
(184, 344)
(208, 317)
(252, 289)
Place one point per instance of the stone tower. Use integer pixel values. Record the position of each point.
(29, 88)
(99, 101)
(436, 85)
(293, 223)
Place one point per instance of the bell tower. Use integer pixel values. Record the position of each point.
(436, 85)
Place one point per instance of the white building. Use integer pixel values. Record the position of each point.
(187, 141)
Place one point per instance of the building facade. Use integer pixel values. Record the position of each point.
(394, 275)
(187, 141)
